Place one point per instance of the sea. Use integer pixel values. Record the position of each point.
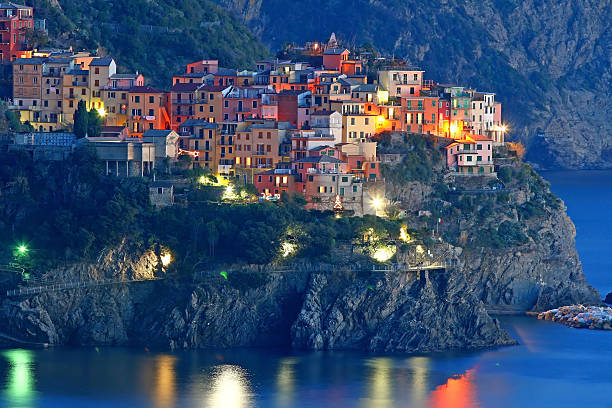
(554, 365)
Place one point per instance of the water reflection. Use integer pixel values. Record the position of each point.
(458, 392)
(380, 391)
(420, 379)
(165, 381)
(19, 391)
(285, 382)
(230, 388)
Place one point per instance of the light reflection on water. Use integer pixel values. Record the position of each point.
(19, 388)
(165, 381)
(229, 388)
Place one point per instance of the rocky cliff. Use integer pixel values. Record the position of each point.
(551, 66)
(375, 311)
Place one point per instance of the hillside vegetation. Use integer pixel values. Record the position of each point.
(155, 37)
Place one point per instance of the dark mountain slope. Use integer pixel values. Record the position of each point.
(156, 37)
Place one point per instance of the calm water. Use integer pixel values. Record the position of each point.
(555, 366)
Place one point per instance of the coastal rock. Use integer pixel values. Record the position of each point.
(608, 298)
(580, 316)
(394, 312)
(387, 312)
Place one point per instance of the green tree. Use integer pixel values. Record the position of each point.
(81, 120)
(94, 123)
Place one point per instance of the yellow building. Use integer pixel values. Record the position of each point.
(357, 127)
(100, 70)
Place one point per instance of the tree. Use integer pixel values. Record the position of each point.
(81, 120)
(94, 123)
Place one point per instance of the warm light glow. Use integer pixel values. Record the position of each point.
(404, 236)
(458, 392)
(202, 180)
(287, 248)
(380, 382)
(453, 128)
(380, 120)
(384, 253)
(230, 388)
(165, 384)
(101, 112)
(229, 193)
(420, 249)
(166, 258)
(383, 97)
(377, 203)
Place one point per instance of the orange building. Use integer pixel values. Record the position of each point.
(147, 109)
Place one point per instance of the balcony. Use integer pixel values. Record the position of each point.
(414, 108)
(79, 83)
(326, 171)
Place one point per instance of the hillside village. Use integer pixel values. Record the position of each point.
(306, 123)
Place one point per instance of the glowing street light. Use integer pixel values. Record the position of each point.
(166, 258)
(101, 112)
(22, 249)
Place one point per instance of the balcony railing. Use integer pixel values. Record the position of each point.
(79, 83)
(326, 171)
(414, 108)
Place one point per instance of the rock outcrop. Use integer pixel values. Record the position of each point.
(386, 312)
(581, 317)
(394, 313)
(608, 298)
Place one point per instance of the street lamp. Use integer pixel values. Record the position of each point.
(22, 249)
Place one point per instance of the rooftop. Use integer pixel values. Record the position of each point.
(320, 159)
(185, 87)
(335, 51)
(101, 62)
(145, 89)
(157, 133)
(198, 122)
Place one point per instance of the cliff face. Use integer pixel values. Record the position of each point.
(551, 66)
(319, 311)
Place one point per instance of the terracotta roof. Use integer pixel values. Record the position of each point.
(185, 87)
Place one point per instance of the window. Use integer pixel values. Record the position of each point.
(268, 148)
(345, 179)
(479, 158)
(367, 121)
(341, 191)
(269, 135)
(373, 165)
(469, 158)
(151, 113)
(479, 147)
(352, 121)
(151, 99)
(83, 91)
(354, 189)
(226, 104)
(254, 104)
(160, 190)
(398, 91)
(211, 109)
(137, 98)
(97, 70)
(96, 82)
